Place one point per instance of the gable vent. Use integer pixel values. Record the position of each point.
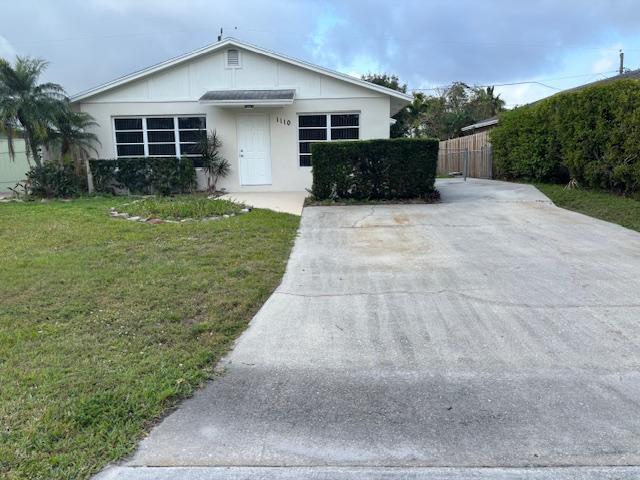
(233, 58)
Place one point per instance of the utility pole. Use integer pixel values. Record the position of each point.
(621, 62)
(220, 36)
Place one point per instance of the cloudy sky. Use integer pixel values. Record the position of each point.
(428, 43)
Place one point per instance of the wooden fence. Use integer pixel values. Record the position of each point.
(471, 154)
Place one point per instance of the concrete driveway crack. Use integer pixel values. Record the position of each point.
(464, 295)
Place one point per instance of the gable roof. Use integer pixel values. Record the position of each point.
(227, 42)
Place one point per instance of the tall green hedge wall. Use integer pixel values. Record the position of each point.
(164, 175)
(374, 169)
(590, 135)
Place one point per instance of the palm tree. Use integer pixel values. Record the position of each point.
(214, 164)
(496, 103)
(70, 135)
(27, 106)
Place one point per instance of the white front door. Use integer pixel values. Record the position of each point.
(254, 149)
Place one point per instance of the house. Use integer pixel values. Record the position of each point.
(12, 170)
(267, 109)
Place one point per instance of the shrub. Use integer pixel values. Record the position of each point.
(214, 164)
(53, 179)
(591, 135)
(143, 175)
(374, 169)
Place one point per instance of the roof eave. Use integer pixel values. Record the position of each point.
(479, 125)
(222, 103)
(236, 43)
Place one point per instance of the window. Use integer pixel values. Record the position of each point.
(129, 137)
(190, 130)
(233, 58)
(322, 128)
(159, 136)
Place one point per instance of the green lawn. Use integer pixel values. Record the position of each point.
(105, 323)
(607, 206)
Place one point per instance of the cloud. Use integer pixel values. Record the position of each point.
(426, 43)
(6, 49)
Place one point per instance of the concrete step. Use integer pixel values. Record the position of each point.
(368, 473)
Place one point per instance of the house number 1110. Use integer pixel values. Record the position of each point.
(283, 121)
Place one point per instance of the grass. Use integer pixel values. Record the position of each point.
(180, 207)
(607, 206)
(105, 324)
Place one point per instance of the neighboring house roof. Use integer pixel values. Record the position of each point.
(259, 97)
(481, 124)
(236, 43)
(630, 75)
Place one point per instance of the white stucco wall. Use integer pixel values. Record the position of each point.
(175, 91)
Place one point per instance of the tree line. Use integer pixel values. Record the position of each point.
(443, 114)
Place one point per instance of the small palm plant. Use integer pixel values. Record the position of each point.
(214, 164)
(70, 135)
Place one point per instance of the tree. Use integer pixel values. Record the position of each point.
(69, 135)
(26, 106)
(386, 80)
(403, 118)
(214, 164)
(442, 115)
(445, 114)
(485, 104)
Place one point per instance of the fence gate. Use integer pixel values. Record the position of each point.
(470, 156)
(465, 162)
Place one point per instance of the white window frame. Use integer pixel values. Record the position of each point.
(145, 138)
(328, 128)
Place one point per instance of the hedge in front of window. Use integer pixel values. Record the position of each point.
(156, 175)
(374, 169)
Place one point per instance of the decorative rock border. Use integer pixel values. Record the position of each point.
(113, 213)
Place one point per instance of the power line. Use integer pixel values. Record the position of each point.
(524, 82)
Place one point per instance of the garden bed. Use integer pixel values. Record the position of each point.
(177, 209)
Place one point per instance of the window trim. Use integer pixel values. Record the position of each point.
(145, 138)
(328, 129)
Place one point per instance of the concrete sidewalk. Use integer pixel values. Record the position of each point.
(286, 202)
(490, 330)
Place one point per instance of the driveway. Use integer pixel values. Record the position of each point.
(490, 330)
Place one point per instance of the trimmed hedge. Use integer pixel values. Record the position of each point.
(143, 175)
(374, 169)
(590, 135)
